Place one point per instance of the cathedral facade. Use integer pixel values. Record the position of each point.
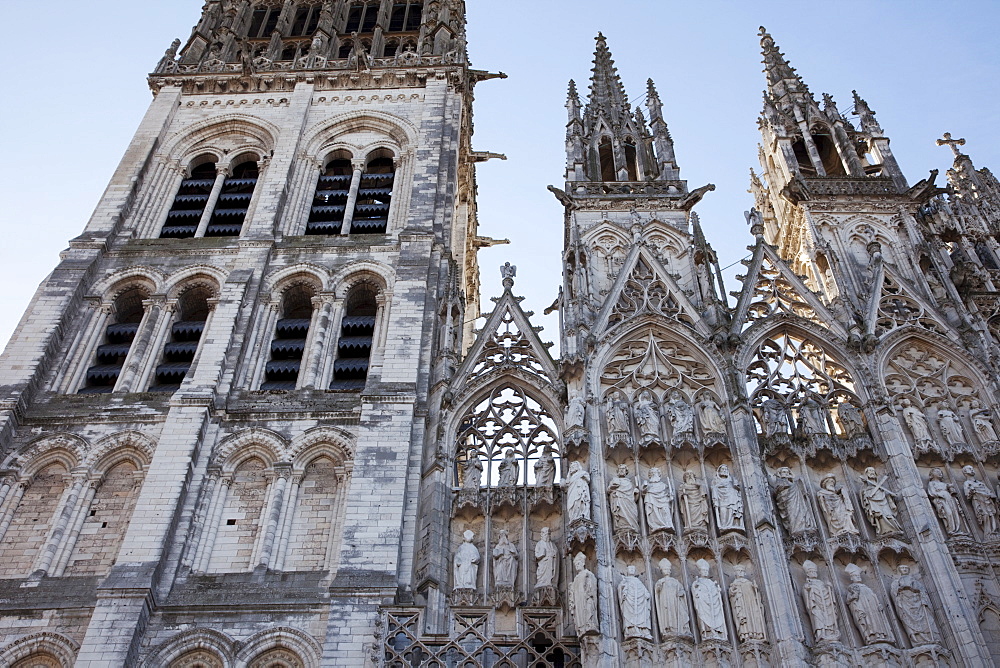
(247, 421)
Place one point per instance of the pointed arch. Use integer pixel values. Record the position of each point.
(263, 443)
(303, 645)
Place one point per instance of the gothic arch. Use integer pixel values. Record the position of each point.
(358, 272)
(201, 274)
(762, 329)
(110, 450)
(282, 637)
(894, 341)
(214, 642)
(68, 449)
(58, 646)
(480, 388)
(253, 133)
(338, 444)
(326, 133)
(263, 443)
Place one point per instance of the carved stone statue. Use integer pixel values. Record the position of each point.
(505, 557)
(508, 469)
(813, 417)
(774, 418)
(818, 596)
(576, 412)
(671, 603)
(879, 503)
(728, 502)
(647, 417)
(578, 493)
(790, 499)
(707, 597)
(681, 415)
(633, 599)
(583, 597)
(617, 416)
(917, 423)
(850, 420)
(748, 610)
(951, 427)
(467, 563)
(658, 499)
(942, 496)
(694, 502)
(914, 607)
(622, 495)
(472, 472)
(712, 420)
(866, 609)
(508, 270)
(983, 500)
(982, 420)
(546, 561)
(836, 507)
(545, 468)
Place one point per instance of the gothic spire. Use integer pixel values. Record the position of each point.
(783, 82)
(662, 141)
(607, 94)
(573, 102)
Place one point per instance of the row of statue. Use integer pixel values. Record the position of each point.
(813, 418)
(983, 499)
(877, 500)
(657, 495)
(679, 413)
(870, 615)
(949, 424)
(508, 470)
(506, 556)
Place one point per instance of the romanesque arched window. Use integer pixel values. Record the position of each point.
(357, 338)
(237, 533)
(183, 339)
(233, 200)
(289, 342)
(127, 312)
(190, 201)
(326, 216)
(105, 521)
(374, 194)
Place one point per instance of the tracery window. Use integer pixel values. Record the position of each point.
(896, 309)
(774, 293)
(127, 312)
(507, 347)
(289, 342)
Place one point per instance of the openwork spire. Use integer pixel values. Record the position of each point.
(783, 82)
(607, 94)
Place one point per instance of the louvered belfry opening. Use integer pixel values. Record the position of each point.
(189, 203)
(330, 201)
(185, 335)
(234, 201)
(289, 342)
(371, 213)
(127, 313)
(357, 332)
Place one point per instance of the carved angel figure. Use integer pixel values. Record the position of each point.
(879, 503)
(836, 507)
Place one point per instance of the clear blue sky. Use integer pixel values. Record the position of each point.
(76, 90)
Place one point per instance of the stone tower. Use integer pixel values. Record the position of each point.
(247, 420)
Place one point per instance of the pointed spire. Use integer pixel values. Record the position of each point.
(662, 141)
(782, 80)
(573, 102)
(607, 94)
(865, 113)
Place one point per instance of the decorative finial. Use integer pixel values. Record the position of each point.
(755, 221)
(507, 273)
(953, 143)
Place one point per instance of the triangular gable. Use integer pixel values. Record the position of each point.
(898, 304)
(643, 287)
(507, 341)
(771, 288)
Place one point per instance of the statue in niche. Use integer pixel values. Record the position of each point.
(836, 506)
(545, 468)
(728, 502)
(942, 496)
(622, 495)
(879, 503)
(983, 500)
(774, 418)
(633, 599)
(850, 420)
(578, 493)
(647, 417)
(467, 563)
(681, 415)
(658, 497)
(712, 420)
(505, 557)
(358, 58)
(583, 597)
(671, 603)
(917, 423)
(951, 427)
(472, 472)
(694, 502)
(707, 597)
(866, 609)
(617, 416)
(913, 607)
(508, 469)
(982, 420)
(546, 561)
(790, 499)
(819, 601)
(576, 412)
(813, 417)
(748, 610)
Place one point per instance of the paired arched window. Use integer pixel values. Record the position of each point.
(405, 16)
(352, 200)
(289, 342)
(306, 20)
(357, 331)
(362, 17)
(127, 312)
(210, 205)
(184, 337)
